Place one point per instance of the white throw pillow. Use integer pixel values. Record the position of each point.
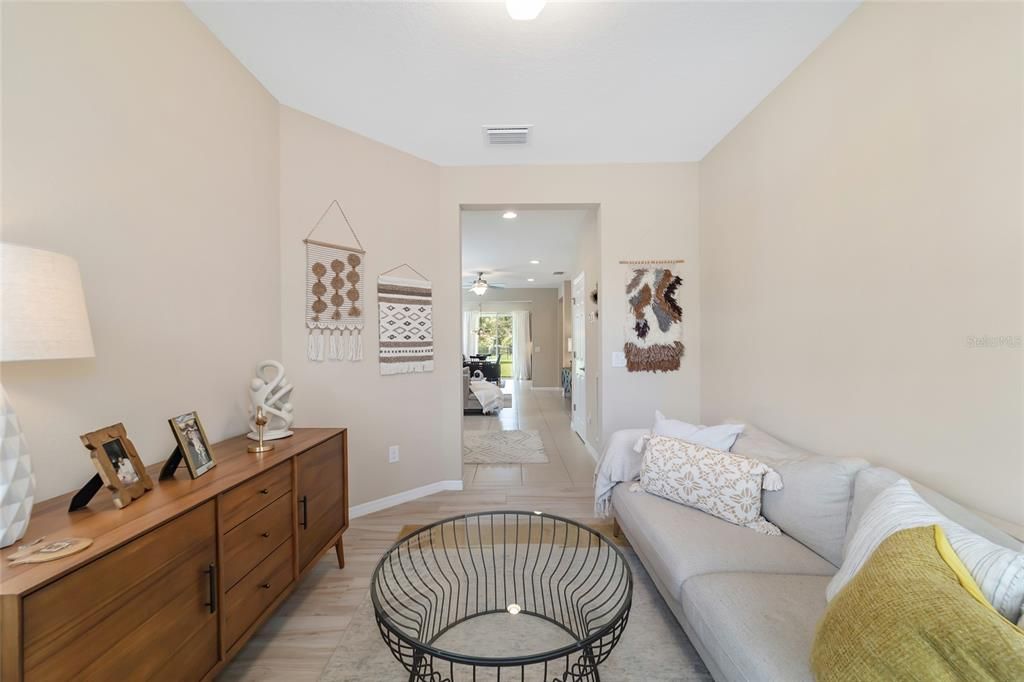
(722, 484)
(998, 570)
(719, 437)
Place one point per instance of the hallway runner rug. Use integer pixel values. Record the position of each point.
(502, 447)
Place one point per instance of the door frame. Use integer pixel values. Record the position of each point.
(578, 418)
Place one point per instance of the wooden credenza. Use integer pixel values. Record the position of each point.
(175, 583)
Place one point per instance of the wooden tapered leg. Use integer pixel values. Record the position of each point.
(339, 549)
(616, 531)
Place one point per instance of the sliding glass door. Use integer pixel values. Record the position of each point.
(495, 339)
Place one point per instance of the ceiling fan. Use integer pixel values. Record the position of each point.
(480, 285)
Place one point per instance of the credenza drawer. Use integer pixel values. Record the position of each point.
(246, 499)
(116, 617)
(244, 602)
(249, 543)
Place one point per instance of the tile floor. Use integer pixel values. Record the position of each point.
(543, 410)
(296, 643)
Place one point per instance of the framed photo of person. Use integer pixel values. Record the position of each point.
(118, 464)
(195, 446)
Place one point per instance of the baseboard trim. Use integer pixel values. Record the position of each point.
(547, 388)
(399, 498)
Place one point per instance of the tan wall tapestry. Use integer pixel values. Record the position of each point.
(654, 330)
(406, 324)
(335, 305)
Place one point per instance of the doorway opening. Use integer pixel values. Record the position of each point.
(529, 397)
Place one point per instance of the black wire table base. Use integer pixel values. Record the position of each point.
(451, 599)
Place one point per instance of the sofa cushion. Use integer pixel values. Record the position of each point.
(813, 505)
(680, 542)
(872, 481)
(720, 483)
(753, 442)
(756, 626)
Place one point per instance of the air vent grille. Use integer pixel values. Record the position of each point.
(507, 134)
(558, 272)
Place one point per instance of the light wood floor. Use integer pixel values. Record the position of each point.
(296, 643)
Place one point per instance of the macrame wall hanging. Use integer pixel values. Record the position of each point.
(654, 330)
(335, 308)
(406, 322)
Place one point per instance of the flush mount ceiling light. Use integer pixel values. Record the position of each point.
(480, 285)
(530, 279)
(509, 215)
(524, 10)
(514, 608)
(535, 262)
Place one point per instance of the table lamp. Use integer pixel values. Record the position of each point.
(42, 317)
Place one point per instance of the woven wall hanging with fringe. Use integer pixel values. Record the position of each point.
(335, 306)
(406, 322)
(654, 330)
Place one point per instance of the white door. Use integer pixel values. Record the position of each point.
(579, 357)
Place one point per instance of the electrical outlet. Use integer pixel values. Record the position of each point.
(536, 349)
(392, 454)
(618, 359)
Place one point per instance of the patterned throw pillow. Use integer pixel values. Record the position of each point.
(722, 484)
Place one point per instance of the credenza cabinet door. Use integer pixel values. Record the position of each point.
(320, 497)
(145, 611)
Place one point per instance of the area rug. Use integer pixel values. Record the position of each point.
(653, 647)
(502, 447)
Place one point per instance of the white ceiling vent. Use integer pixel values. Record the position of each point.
(507, 134)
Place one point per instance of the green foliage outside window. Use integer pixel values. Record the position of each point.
(496, 336)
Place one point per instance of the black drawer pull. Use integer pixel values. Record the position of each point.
(265, 586)
(265, 534)
(265, 491)
(211, 574)
(305, 511)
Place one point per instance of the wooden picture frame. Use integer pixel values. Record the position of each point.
(195, 446)
(118, 464)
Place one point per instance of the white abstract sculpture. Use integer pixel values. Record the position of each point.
(272, 396)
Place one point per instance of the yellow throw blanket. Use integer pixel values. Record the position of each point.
(914, 612)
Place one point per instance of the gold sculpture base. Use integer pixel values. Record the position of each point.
(260, 447)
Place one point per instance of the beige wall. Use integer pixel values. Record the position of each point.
(857, 229)
(134, 142)
(544, 319)
(646, 211)
(391, 200)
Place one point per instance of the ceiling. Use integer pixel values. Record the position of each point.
(502, 249)
(600, 82)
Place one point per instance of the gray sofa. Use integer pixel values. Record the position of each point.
(750, 602)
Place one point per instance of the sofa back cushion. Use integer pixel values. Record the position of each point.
(813, 506)
(873, 480)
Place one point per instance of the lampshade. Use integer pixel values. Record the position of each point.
(42, 306)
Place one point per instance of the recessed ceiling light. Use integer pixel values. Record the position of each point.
(530, 279)
(524, 10)
(509, 215)
(535, 262)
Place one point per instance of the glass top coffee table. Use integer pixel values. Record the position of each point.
(502, 595)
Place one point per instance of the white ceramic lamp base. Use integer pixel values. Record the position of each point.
(17, 484)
